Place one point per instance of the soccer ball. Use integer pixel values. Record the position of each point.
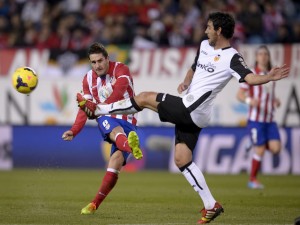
(24, 80)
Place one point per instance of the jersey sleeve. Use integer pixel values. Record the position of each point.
(123, 80)
(239, 68)
(79, 122)
(81, 117)
(244, 86)
(85, 88)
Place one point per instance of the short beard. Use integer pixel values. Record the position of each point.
(212, 43)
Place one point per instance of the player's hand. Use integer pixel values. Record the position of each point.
(278, 73)
(88, 106)
(182, 87)
(67, 135)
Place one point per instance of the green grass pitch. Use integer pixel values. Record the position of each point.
(55, 197)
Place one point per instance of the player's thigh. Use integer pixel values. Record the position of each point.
(147, 100)
(106, 125)
(114, 132)
(188, 135)
(274, 143)
(258, 133)
(274, 146)
(126, 126)
(171, 109)
(273, 131)
(110, 126)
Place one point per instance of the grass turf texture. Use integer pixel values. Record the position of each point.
(154, 198)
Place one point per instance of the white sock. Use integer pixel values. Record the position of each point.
(257, 157)
(120, 107)
(195, 177)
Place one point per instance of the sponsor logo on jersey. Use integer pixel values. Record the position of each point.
(204, 52)
(207, 67)
(243, 62)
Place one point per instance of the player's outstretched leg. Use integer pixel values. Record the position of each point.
(209, 215)
(89, 209)
(134, 143)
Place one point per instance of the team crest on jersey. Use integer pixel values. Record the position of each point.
(217, 57)
(106, 125)
(104, 92)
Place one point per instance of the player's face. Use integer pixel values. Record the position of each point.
(99, 63)
(262, 57)
(211, 34)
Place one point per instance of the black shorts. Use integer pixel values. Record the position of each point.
(171, 109)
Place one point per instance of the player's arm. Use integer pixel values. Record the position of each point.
(77, 126)
(276, 73)
(120, 87)
(242, 96)
(243, 73)
(186, 82)
(189, 75)
(81, 117)
(122, 75)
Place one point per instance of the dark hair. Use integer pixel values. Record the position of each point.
(223, 20)
(97, 48)
(269, 66)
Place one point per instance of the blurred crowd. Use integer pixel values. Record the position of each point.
(75, 24)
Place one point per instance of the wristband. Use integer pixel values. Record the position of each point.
(248, 100)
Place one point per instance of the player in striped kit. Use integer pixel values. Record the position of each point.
(262, 104)
(108, 82)
(215, 64)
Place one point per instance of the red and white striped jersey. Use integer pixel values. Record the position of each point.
(265, 94)
(116, 85)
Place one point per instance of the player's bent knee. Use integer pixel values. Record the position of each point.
(145, 99)
(141, 99)
(275, 147)
(179, 162)
(275, 150)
